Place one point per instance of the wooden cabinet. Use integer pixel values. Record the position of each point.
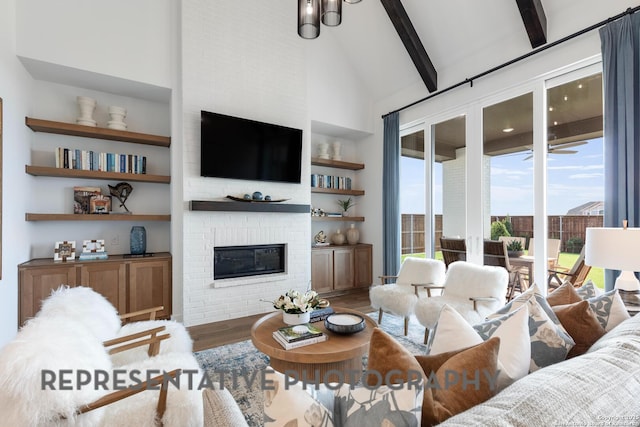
(338, 268)
(130, 284)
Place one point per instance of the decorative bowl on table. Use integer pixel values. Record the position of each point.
(344, 323)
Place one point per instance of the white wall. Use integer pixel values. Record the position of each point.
(15, 91)
(119, 38)
(241, 59)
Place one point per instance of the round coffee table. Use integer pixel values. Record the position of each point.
(341, 353)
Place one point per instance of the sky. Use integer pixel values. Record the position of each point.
(572, 180)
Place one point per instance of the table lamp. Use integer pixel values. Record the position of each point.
(615, 249)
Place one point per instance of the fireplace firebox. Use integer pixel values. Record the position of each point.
(242, 261)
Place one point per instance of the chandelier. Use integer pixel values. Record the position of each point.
(312, 12)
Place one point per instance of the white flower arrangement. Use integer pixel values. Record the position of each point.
(295, 302)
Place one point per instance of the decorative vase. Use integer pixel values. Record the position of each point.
(138, 240)
(323, 150)
(353, 235)
(338, 238)
(87, 106)
(117, 115)
(296, 318)
(335, 150)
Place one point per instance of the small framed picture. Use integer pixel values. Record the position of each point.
(64, 251)
(93, 246)
(100, 204)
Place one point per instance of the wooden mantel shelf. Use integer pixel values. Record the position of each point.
(94, 217)
(231, 206)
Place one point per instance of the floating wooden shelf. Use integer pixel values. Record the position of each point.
(49, 126)
(338, 218)
(89, 217)
(337, 191)
(113, 176)
(231, 206)
(316, 161)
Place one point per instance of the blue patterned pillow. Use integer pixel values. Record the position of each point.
(588, 290)
(609, 308)
(550, 342)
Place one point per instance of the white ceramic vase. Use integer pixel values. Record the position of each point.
(87, 106)
(323, 150)
(336, 150)
(338, 238)
(296, 318)
(117, 115)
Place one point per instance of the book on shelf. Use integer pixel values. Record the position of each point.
(70, 158)
(320, 314)
(291, 345)
(298, 332)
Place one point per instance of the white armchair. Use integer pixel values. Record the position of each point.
(472, 290)
(399, 298)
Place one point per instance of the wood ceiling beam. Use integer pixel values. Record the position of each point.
(411, 40)
(535, 21)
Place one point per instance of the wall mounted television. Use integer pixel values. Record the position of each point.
(233, 147)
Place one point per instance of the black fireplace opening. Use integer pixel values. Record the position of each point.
(242, 261)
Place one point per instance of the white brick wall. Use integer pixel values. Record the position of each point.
(243, 59)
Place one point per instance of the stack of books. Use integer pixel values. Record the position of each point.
(295, 336)
(320, 314)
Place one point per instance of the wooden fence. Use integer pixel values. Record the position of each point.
(570, 229)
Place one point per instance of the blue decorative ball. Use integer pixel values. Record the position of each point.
(267, 198)
(257, 196)
(247, 197)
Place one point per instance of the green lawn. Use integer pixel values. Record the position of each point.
(596, 275)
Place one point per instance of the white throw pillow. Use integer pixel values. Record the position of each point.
(550, 342)
(609, 308)
(452, 332)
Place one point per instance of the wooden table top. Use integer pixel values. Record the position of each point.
(336, 348)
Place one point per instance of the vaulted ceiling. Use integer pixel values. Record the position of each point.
(461, 37)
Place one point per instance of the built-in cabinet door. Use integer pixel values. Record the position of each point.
(149, 286)
(322, 270)
(363, 271)
(343, 268)
(108, 279)
(36, 285)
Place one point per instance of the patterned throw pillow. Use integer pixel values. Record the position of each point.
(453, 332)
(550, 342)
(609, 308)
(588, 290)
(287, 402)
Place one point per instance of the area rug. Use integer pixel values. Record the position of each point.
(239, 366)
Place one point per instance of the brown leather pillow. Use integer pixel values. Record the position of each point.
(581, 323)
(386, 355)
(564, 294)
(443, 395)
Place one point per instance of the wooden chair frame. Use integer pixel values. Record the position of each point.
(576, 275)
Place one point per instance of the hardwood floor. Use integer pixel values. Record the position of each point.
(235, 330)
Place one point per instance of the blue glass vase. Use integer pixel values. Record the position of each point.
(138, 240)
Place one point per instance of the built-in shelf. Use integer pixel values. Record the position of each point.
(61, 128)
(316, 161)
(77, 173)
(337, 191)
(96, 217)
(231, 206)
(338, 218)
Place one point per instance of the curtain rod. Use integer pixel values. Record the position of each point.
(470, 80)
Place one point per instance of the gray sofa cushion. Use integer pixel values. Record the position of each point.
(600, 387)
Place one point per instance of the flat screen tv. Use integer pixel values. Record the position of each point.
(232, 147)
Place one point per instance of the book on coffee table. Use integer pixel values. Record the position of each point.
(295, 344)
(320, 314)
(298, 332)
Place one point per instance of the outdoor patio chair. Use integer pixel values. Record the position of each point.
(400, 298)
(472, 290)
(553, 252)
(576, 275)
(453, 249)
(495, 253)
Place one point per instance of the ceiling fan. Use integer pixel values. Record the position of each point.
(559, 148)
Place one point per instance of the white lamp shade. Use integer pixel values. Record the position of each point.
(615, 249)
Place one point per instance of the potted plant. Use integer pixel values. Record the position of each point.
(346, 204)
(515, 249)
(296, 306)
